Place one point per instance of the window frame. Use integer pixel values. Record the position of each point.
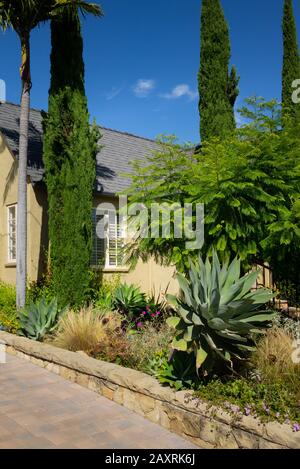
(118, 229)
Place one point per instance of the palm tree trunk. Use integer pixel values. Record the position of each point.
(22, 175)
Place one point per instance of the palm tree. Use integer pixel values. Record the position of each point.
(23, 16)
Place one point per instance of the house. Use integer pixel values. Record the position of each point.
(118, 148)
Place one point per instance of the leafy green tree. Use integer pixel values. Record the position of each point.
(291, 63)
(70, 147)
(218, 89)
(249, 183)
(162, 180)
(23, 16)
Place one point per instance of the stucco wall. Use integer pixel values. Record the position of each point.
(149, 276)
(37, 218)
(8, 196)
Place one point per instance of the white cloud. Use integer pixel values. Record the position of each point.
(180, 91)
(113, 93)
(143, 88)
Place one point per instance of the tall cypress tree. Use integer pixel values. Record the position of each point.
(69, 157)
(218, 89)
(291, 62)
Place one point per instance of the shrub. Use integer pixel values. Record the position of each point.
(40, 290)
(104, 297)
(155, 312)
(83, 330)
(273, 359)
(241, 397)
(134, 350)
(178, 373)
(39, 319)
(113, 348)
(8, 309)
(218, 313)
(147, 343)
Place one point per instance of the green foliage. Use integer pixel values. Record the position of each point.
(129, 300)
(243, 397)
(218, 313)
(148, 344)
(39, 319)
(8, 309)
(217, 88)
(249, 183)
(291, 63)
(104, 296)
(163, 180)
(69, 156)
(178, 373)
(40, 290)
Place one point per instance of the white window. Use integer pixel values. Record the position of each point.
(107, 248)
(12, 233)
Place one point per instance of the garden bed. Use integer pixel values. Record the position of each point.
(179, 412)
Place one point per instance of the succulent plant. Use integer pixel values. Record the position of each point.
(129, 300)
(218, 313)
(38, 319)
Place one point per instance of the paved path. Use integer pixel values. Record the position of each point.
(39, 409)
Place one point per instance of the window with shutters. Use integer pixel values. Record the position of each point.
(12, 233)
(107, 240)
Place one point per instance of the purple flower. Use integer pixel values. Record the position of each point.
(144, 313)
(158, 313)
(296, 427)
(139, 324)
(235, 408)
(247, 410)
(266, 408)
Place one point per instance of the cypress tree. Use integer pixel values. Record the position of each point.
(218, 89)
(291, 63)
(69, 157)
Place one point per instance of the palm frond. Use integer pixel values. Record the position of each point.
(75, 5)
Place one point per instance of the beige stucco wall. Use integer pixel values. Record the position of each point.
(37, 221)
(8, 196)
(150, 276)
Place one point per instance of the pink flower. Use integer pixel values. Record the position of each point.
(144, 313)
(158, 313)
(148, 308)
(139, 324)
(153, 315)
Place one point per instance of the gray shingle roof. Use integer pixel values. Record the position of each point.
(118, 149)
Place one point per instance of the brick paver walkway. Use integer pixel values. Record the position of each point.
(39, 409)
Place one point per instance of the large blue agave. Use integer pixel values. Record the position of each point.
(218, 313)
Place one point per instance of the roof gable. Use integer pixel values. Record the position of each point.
(117, 149)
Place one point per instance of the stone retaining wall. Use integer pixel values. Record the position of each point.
(207, 427)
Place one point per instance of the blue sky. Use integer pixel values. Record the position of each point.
(142, 61)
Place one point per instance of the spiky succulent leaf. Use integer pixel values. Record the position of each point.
(219, 312)
(38, 319)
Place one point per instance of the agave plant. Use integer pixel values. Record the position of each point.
(38, 319)
(218, 313)
(129, 300)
